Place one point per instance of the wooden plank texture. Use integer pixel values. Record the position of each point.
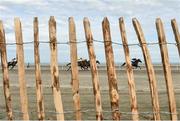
(21, 69)
(94, 70)
(74, 68)
(39, 88)
(5, 73)
(129, 70)
(176, 33)
(149, 68)
(111, 72)
(55, 70)
(167, 68)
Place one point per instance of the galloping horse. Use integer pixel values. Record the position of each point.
(134, 63)
(83, 64)
(12, 63)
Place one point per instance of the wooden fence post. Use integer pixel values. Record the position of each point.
(149, 68)
(21, 70)
(111, 72)
(176, 33)
(55, 70)
(6, 86)
(39, 89)
(167, 68)
(94, 71)
(74, 68)
(129, 70)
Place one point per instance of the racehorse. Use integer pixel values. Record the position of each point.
(83, 64)
(12, 63)
(88, 64)
(134, 63)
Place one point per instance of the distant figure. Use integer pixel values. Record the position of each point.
(28, 65)
(12, 63)
(134, 63)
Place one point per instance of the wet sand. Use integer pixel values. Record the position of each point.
(86, 93)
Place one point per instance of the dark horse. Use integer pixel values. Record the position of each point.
(88, 64)
(12, 63)
(134, 63)
(83, 64)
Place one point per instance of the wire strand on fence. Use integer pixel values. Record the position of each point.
(145, 115)
(105, 111)
(97, 41)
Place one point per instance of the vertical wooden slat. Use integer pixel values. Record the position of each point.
(21, 69)
(111, 72)
(131, 83)
(176, 33)
(149, 68)
(6, 86)
(74, 68)
(94, 71)
(55, 70)
(39, 89)
(167, 68)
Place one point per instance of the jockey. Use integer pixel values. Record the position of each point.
(81, 59)
(14, 59)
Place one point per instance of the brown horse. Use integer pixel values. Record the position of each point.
(83, 64)
(88, 63)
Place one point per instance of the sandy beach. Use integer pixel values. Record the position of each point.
(86, 93)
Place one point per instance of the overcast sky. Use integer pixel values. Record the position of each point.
(146, 11)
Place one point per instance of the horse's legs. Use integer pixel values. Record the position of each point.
(68, 68)
(134, 67)
(12, 66)
(9, 64)
(82, 68)
(139, 67)
(85, 68)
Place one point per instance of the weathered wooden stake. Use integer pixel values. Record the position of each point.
(167, 68)
(176, 33)
(131, 83)
(149, 68)
(55, 70)
(74, 68)
(94, 71)
(39, 89)
(111, 72)
(6, 86)
(21, 70)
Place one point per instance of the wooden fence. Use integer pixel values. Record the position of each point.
(111, 73)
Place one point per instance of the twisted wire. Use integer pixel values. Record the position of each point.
(95, 40)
